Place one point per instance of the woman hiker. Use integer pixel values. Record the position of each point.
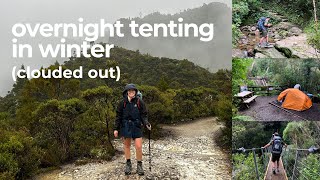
(131, 117)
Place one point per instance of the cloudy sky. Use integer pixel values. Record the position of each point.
(57, 11)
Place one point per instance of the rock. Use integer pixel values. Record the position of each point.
(245, 28)
(272, 35)
(253, 28)
(284, 26)
(295, 31)
(277, 36)
(149, 177)
(174, 177)
(296, 47)
(283, 33)
(238, 53)
(269, 53)
(252, 33)
(244, 41)
(243, 37)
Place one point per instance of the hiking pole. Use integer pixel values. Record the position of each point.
(149, 150)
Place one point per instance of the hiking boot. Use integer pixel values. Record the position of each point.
(128, 168)
(262, 45)
(268, 45)
(140, 171)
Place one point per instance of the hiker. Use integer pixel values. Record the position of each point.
(277, 145)
(131, 116)
(294, 99)
(262, 26)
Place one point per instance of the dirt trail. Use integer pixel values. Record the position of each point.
(188, 152)
(261, 110)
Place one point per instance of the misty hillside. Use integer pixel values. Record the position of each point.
(145, 69)
(213, 55)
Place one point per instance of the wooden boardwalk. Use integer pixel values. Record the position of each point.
(278, 176)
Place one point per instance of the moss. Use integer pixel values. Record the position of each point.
(286, 51)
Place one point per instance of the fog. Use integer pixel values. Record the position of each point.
(61, 11)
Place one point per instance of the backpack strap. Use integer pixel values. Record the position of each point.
(138, 103)
(124, 103)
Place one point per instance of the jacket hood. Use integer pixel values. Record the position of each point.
(127, 87)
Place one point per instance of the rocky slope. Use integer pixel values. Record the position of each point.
(289, 42)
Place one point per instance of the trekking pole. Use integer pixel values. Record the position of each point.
(149, 150)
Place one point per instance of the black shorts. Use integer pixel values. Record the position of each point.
(275, 157)
(264, 32)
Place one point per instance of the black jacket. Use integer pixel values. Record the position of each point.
(130, 116)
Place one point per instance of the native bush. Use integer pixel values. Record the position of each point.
(313, 35)
(311, 168)
(19, 155)
(244, 166)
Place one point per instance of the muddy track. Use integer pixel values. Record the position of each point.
(188, 152)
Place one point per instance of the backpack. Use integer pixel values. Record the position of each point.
(261, 23)
(139, 96)
(277, 145)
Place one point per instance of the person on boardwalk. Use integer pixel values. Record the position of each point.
(131, 116)
(276, 150)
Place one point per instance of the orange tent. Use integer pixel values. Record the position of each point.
(295, 99)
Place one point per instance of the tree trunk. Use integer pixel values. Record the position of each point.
(315, 13)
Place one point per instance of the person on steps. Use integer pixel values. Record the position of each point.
(131, 116)
(276, 150)
(263, 25)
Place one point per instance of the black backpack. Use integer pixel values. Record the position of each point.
(277, 145)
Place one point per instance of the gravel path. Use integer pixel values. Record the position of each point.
(188, 152)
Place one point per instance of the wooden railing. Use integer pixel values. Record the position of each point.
(263, 89)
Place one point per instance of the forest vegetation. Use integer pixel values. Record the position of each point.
(47, 122)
